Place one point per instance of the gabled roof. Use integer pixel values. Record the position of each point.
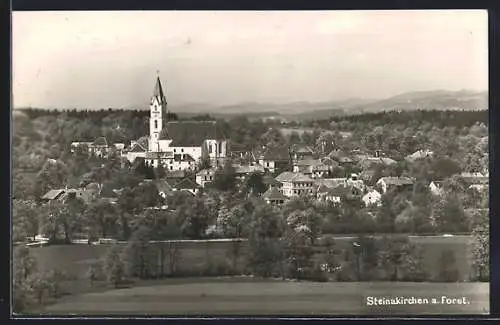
(268, 180)
(186, 184)
(301, 148)
(331, 182)
(100, 141)
(368, 161)
(53, 194)
(276, 154)
(159, 155)
(273, 194)
(137, 147)
(339, 191)
(163, 186)
(307, 162)
(247, 169)
(419, 154)
(208, 171)
(293, 177)
(175, 174)
(397, 181)
(191, 133)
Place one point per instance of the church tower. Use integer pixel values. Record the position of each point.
(158, 114)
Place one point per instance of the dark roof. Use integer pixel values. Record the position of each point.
(277, 154)
(339, 191)
(163, 186)
(186, 184)
(273, 194)
(269, 180)
(190, 133)
(293, 177)
(158, 92)
(175, 174)
(101, 141)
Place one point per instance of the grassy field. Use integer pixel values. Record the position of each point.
(75, 259)
(237, 296)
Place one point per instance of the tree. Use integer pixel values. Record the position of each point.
(399, 258)
(480, 246)
(225, 177)
(39, 286)
(139, 253)
(265, 248)
(102, 216)
(448, 271)
(255, 184)
(114, 268)
(298, 250)
(24, 264)
(95, 272)
(24, 216)
(451, 216)
(53, 282)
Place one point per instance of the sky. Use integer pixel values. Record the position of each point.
(111, 58)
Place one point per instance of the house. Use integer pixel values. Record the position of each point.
(271, 182)
(419, 154)
(370, 162)
(53, 195)
(205, 176)
(300, 151)
(334, 195)
(175, 174)
(313, 167)
(239, 151)
(99, 147)
(244, 170)
(274, 196)
(436, 188)
(295, 184)
(386, 183)
(188, 185)
(137, 150)
(64, 194)
(475, 178)
(275, 159)
(372, 198)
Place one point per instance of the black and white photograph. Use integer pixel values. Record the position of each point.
(250, 163)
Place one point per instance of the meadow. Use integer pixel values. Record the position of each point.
(256, 297)
(194, 255)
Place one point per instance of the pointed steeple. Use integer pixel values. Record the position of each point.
(158, 92)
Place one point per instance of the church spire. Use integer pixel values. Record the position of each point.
(158, 92)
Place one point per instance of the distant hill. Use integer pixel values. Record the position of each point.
(425, 100)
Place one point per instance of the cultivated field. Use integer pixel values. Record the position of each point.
(221, 297)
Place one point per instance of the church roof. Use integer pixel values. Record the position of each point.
(190, 133)
(158, 92)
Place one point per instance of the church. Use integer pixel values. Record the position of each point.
(178, 145)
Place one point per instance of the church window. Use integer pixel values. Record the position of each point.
(209, 148)
(182, 150)
(156, 124)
